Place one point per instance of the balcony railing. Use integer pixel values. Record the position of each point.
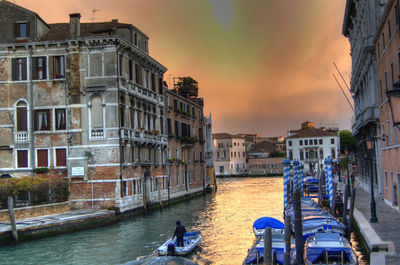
(97, 133)
(22, 137)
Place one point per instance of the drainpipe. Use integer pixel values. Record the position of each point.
(31, 113)
(119, 127)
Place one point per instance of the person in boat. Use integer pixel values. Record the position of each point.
(179, 233)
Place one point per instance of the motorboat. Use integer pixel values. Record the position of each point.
(190, 241)
(260, 224)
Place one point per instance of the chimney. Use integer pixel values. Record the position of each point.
(75, 25)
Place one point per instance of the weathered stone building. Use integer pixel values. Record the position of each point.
(84, 100)
(186, 145)
(360, 24)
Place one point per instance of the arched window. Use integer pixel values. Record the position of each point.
(96, 117)
(22, 117)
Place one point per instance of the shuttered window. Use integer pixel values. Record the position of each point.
(22, 30)
(39, 68)
(22, 157)
(138, 74)
(42, 158)
(60, 119)
(42, 120)
(61, 157)
(22, 124)
(19, 69)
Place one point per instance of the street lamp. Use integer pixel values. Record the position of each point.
(370, 148)
(394, 103)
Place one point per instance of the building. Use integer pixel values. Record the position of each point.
(186, 143)
(229, 154)
(84, 101)
(360, 24)
(262, 165)
(387, 54)
(310, 146)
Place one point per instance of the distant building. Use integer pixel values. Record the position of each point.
(229, 154)
(387, 53)
(250, 138)
(310, 146)
(186, 142)
(261, 165)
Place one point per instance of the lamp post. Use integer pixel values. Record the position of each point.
(370, 148)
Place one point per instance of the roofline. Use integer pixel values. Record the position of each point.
(176, 94)
(295, 136)
(346, 18)
(30, 11)
(383, 19)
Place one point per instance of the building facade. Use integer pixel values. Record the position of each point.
(361, 22)
(311, 146)
(387, 41)
(261, 165)
(229, 154)
(85, 101)
(186, 144)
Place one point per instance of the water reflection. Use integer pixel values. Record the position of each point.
(225, 220)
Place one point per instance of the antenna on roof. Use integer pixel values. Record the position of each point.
(93, 12)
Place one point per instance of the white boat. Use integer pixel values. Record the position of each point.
(190, 242)
(277, 227)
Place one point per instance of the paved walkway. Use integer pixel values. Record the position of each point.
(388, 225)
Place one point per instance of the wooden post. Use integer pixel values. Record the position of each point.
(333, 208)
(350, 222)
(267, 246)
(286, 257)
(159, 193)
(10, 202)
(291, 191)
(320, 191)
(346, 196)
(287, 194)
(298, 228)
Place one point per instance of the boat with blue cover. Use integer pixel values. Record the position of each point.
(190, 241)
(260, 224)
(329, 248)
(256, 253)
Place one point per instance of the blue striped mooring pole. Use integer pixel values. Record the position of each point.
(286, 178)
(330, 180)
(301, 180)
(296, 174)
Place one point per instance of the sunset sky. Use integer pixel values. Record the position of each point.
(263, 66)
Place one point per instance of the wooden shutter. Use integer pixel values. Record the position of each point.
(24, 72)
(61, 157)
(14, 69)
(35, 75)
(28, 29)
(42, 158)
(21, 119)
(22, 158)
(16, 30)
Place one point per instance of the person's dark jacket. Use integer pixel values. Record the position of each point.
(179, 231)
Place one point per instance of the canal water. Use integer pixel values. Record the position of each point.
(225, 220)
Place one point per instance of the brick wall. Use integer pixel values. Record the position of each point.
(34, 211)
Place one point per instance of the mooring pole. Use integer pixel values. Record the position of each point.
(346, 196)
(320, 191)
(298, 229)
(286, 257)
(350, 226)
(333, 207)
(267, 246)
(10, 202)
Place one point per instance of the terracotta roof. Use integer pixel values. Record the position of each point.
(60, 31)
(313, 132)
(264, 147)
(222, 136)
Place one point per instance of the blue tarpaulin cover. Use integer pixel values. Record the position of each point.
(263, 222)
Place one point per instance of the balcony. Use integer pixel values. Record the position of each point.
(369, 114)
(21, 137)
(97, 133)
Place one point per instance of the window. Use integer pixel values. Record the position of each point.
(378, 48)
(315, 142)
(332, 140)
(305, 142)
(321, 153)
(58, 67)
(177, 178)
(130, 70)
(301, 142)
(388, 133)
(290, 154)
(136, 39)
(146, 46)
(22, 30)
(22, 124)
(386, 180)
(389, 30)
(138, 74)
(60, 119)
(301, 155)
(290, 143)
(383, 40)
(244, 154)
(121, 65)
(42, 158)
(22, 158)
(320, 141)
(39, 68)
(383, 134)
(153, 82)
(19, 69)
(96, 117)
(391, 73)
(221, 169)
(42, 120)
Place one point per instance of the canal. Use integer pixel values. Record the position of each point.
(225, 220)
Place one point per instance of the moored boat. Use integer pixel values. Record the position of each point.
(329, 248)
(260, 224)
(190, 241)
